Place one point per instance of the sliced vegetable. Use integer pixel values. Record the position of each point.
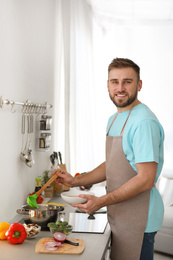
(16, 234)
(59, 237)
(43, 242)
(50, 248)
(52, 245)
(4, 226)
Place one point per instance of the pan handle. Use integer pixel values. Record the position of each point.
(22, 211)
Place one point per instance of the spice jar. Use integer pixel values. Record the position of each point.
(45, 140)
(45, 122)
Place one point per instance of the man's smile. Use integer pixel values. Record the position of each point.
(120, 95)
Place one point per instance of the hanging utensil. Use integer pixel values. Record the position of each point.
(30, 154)
(25, 157)
(27, 136)
(23, 132)
(31, 199)
(27, 152)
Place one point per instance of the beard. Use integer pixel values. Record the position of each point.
(122, 103)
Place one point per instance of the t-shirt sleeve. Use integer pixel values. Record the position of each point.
(146, 142)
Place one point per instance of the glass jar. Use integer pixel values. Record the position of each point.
(45, 140)
(37, 184)
(45, 122)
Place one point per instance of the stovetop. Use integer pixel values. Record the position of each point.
(81, 222)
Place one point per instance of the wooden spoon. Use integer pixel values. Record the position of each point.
(31, 199)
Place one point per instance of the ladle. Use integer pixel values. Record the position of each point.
(30, 159)
(25, 156)
(31, 199)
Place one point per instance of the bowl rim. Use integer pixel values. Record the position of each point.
(58, 228)
(76, 195)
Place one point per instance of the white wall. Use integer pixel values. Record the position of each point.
(26, 72)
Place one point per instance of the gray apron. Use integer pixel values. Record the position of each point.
(127, 219)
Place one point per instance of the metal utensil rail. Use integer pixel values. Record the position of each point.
(28, 106)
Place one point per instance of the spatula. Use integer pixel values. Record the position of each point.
(31, 199)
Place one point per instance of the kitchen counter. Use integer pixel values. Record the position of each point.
(95, 244)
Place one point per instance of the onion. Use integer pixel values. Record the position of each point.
(59, 237)
(47, 248)
(52, 246)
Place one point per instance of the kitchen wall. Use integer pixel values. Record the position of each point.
(26, 73)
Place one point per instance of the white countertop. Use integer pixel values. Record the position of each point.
(26, 250)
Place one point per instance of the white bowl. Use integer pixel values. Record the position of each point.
(72, 196)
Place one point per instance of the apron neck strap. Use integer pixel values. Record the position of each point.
(112, 123)
(122, 131)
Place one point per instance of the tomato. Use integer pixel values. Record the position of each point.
(39, 199)
(77, 174)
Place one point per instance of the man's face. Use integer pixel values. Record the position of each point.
(123, 86)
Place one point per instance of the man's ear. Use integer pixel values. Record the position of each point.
(108, 85)
(139, 85)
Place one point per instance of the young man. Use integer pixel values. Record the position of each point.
(134, 159)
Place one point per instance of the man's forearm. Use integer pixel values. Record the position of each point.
(95, 176)
(143, 181)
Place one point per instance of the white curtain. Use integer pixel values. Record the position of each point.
(84, 48)
(74, 85)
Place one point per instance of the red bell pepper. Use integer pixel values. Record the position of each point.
(16, 234)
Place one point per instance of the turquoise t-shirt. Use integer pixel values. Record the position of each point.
(142, 141)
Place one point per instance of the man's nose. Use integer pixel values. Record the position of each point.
(120, 87)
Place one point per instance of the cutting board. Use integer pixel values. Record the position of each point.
(65, 249)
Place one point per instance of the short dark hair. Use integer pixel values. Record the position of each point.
(124, 63)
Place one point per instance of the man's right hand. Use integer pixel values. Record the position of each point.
(65, 178)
